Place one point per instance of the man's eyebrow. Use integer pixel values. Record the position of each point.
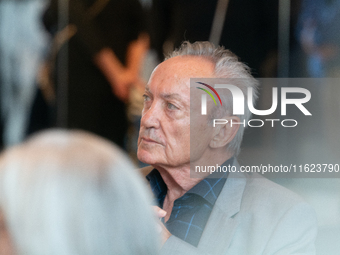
(167, 96)
(147, 89)
(172, 96)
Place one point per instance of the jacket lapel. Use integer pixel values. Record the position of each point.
(221, 225)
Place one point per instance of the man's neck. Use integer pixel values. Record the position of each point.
(178, 179)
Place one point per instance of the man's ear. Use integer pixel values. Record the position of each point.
(223, 134)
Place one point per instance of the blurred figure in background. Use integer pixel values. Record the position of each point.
(22, 43)
(318, 32)
(74, 193)
(97, 53)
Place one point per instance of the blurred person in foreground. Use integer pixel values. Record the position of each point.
(221, 213)
(73, 193)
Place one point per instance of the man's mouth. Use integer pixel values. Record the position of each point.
(149, 140)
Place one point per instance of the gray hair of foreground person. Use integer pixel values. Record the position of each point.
(75, 193)
(227, 65)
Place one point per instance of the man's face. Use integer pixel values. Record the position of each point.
(164, 137)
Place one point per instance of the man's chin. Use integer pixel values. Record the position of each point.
(144, 156)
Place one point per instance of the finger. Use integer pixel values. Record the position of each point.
(159, 212)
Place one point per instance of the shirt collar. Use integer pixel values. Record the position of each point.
(209, 188)
(158, 187)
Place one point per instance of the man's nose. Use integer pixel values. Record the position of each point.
(151, 116)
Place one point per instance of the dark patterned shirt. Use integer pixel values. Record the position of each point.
(190, 212)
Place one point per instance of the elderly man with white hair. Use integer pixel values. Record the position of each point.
(233, 213)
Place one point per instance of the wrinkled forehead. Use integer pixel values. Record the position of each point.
(175, 73)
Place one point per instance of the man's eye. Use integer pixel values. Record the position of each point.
(171, 107)
(146, 98)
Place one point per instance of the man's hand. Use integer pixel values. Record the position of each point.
(162, 229)
(6, 246)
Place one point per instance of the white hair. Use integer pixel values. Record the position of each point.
(75, 193)
(227, 65)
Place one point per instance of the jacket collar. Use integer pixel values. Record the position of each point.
(222, 224)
